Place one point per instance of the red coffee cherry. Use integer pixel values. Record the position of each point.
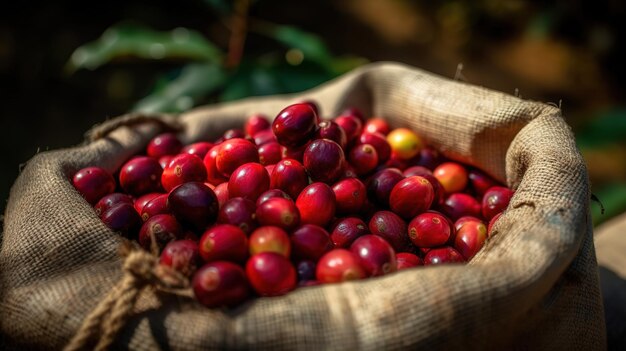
(271, 274)
(324, 160)
(223, 242)
(295, 125)
(182, 169)
(279, 212)
(339, 265)
(411, 196)
(219, 284)
(93, 183)
(316, 204)
(164, 144)
(270, 239)
(249, 181)
(375, 255)
(181, 255)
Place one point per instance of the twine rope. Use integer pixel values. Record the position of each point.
(111, 314)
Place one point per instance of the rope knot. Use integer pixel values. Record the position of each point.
(107, 319)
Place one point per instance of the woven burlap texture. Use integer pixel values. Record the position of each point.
(533, 286)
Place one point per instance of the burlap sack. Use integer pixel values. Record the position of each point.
(534, 285)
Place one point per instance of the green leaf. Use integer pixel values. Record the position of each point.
(613, 198)
(606, 128)
(128, 40)
(194, 82)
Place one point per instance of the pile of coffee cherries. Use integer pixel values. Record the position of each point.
(298, 202)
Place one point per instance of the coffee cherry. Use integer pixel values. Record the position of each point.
(428, 158)
(381, 183)
(442, 255)
(458, 205)
(271, 274)
(221, 192)
(480, 182)
(324, 160)
(141, 201)
(390, 227)
(470, 238)
(312, 104)
(350, 194)
(156, 206)
(256, 123)
(452, 176)
(270, 239)
(111, 200)
(411, 196)
(240, 212)
(379, 142)
(193, 204)
(406, 260)
(375, 255)
(223, 242)
(496, 200)
(122, 218)
(219, 284)
(316, 204)
(339, 265)
(270, 194)
(164, 144)
(295, 125)
(279, 212)
(376, 125)
(181, 255)
(182, 169)
(141, 175)
(363, 158)
(355, 112)
(234, 153)
(492, 222)
(93, 183)
(158, 231)
(347, 230)
(233, 133)
(270, 153)
(404, 143)
(416, 171)
(465, 219)
(249, 181)
(310, 242)
(351, 125)
(214, 176)
(290, 176)
(429, 230)
(199, 149)
(332, 131)
(263, 137)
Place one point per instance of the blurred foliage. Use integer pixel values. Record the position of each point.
(612, 198)
(300, 61)
(602, 141)
(131, 40)
(547, 51)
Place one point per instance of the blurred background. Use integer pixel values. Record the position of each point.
(66, 65)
